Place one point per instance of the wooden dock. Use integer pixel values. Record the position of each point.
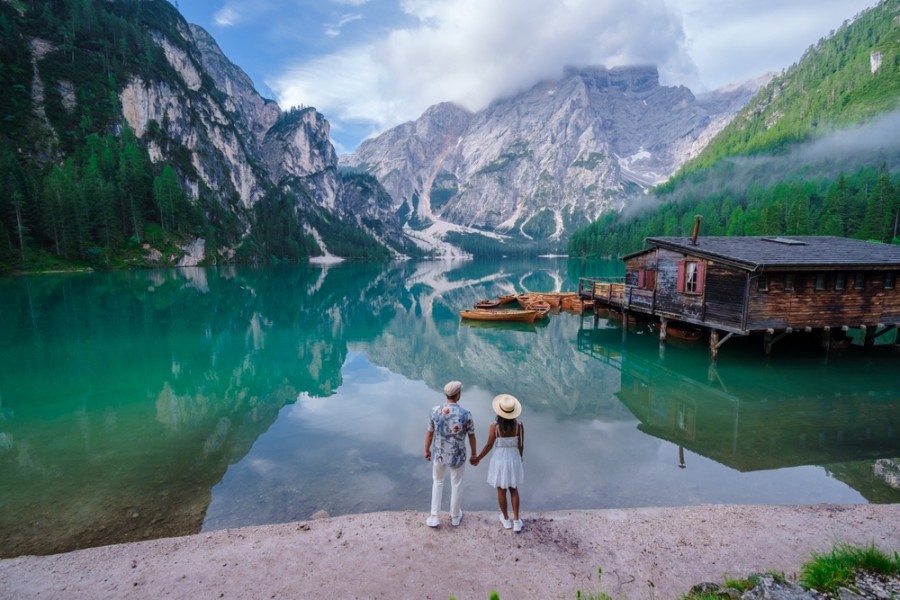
(822, 286)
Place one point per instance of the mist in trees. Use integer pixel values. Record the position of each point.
(862, 205)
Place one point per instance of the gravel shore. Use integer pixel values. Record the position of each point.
(645, 553)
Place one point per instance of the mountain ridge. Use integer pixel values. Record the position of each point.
(538, 164)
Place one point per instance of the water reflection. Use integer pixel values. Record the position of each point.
(141, 404)
(753, 415)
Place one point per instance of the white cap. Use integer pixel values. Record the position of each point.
(452, 389)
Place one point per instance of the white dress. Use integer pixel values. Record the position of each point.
(505, 469)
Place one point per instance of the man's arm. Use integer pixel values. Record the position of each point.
(429, 437)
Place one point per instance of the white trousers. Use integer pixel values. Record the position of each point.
(438, 472)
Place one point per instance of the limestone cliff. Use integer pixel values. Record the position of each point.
(242, 146)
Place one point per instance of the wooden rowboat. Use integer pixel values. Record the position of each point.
(525, 298)
(542, 307)
(575, 304)
(487, 304)
(553, 301)
(507, 298)
(617, 315)
(530, 298)
(481, 314)
(556, 298)
(686, 332)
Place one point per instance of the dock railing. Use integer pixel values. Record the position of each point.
(613, 291)
(605, 289)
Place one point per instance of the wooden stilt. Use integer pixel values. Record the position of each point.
(714, 344)
(825, 339)
(663, 325)
(870, 336)
(771, 339)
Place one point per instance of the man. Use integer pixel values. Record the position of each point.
(448, 428)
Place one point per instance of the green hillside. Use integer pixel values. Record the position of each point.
(832, 86)
(816, 152)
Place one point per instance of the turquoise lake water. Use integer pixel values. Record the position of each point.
(142, 404)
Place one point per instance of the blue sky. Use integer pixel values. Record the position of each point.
(369, 65)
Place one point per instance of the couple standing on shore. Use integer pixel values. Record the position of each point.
(448, 428)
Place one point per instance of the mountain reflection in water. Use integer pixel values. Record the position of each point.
(142, 404)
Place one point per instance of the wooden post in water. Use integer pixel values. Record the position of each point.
(825, 339)
(870, 336)
(768, 342)
(663, 324)
(714, 344)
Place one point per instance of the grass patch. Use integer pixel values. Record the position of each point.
(741, 585)
(831, 571)
(825, 573)
(579, 595)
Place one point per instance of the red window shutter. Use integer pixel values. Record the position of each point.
(701, 276)
(641, 278)
(679, 280)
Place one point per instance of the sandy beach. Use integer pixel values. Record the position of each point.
(647, 553)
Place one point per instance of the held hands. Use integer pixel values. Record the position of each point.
(474, 461)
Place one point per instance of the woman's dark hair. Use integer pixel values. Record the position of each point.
(505, 425)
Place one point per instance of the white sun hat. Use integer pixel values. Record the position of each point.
(507, 406)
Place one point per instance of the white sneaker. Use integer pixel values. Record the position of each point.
(456, 520)
(507, 524)
(517, 525)
(433, 521)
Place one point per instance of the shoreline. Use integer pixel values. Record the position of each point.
(656, 553)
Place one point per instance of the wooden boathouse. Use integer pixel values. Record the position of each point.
(737, 286)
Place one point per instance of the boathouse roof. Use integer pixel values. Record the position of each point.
(784, 252)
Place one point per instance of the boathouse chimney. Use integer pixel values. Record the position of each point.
(697, 219)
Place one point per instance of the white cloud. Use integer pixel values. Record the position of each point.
(334, 29)
(227, 17)
(734, 41)
(472, 51)
(238, 12)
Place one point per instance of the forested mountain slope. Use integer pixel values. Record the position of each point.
(817, 151)
(127, 138)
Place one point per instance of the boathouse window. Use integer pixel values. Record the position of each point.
(690, 277)
(888, 281)
(840, 281)
(647, 279)
(859, 281)
(789, 282)
(820, 281)
(762, 283)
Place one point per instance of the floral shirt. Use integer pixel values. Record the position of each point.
(451, 424)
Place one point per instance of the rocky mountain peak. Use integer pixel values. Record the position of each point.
(635, 79)
(541, 163)
(241, 96)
